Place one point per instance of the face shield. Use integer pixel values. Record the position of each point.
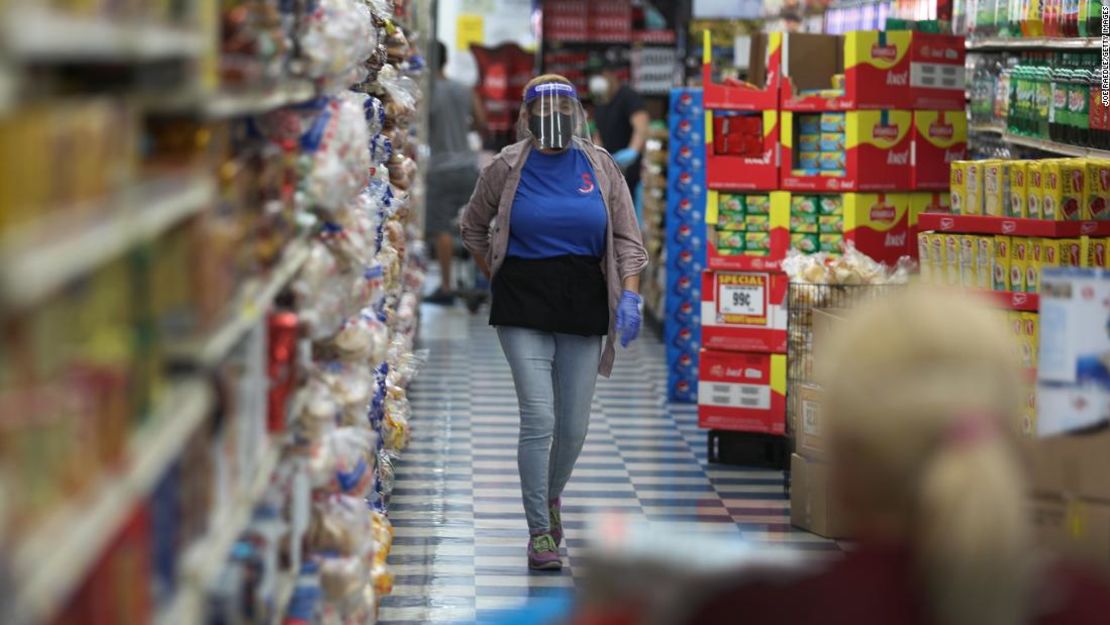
(552, 116)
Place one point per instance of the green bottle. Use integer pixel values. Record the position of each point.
(1079, 102)
(1044, 98)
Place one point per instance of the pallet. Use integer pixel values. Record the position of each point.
(766, 451)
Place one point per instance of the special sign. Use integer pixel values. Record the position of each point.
(742, 298)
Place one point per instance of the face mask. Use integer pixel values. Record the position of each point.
(553, 132)
(599, 87)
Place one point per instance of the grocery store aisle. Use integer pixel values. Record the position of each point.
(458, 554)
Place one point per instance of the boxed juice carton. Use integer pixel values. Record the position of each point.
(1098, 190)
(952, 275)
(1019, 189)
(1033, 266)
(996, 191)
(1019, 262)
(878, 224)
(1001, 270)
(1053, 189)
(985, 256)
(1034, 194)
(1073, 189)
(940, 139)
(969, 263)
(742, 391)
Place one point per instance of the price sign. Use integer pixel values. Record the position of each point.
(742, 298)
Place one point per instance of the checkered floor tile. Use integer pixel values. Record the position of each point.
(460, 528)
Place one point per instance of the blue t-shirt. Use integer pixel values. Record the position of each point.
(558, 209)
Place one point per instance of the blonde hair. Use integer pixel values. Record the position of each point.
(546, 78)
(901, 376)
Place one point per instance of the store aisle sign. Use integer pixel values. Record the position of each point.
(469, 29)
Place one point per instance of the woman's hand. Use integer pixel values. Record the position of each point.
(629, 317)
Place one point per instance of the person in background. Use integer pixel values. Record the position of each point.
(452, 169)
(621, 119)
(792, 21)
(565, 255)
(921, 408)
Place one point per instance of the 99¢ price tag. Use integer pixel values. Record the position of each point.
(742, 298)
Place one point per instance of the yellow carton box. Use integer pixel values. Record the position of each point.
(1019, 188)
(1053, 186)
(1001, 269)
(923, 258)
(1073, 190)
(1013, 319)
(1030, 334)
(1096, 253)
(969, 264)
(1098, 190)
(1072, 252)
(952, 260)
(996, 188)
(1034, 199)
(1019, 262)
(984, 255)
(1033, 267)
(1050, 253)
(936, 257)
(967, 187)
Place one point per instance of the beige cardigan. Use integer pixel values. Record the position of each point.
(485, 223)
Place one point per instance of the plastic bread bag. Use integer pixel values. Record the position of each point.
(342, 525)
(337, 146)
(363, 338)
(396, 432)
(318, 416)
(335, 41)
(806, 268)
(382, 10)
(319, 289)
(344, 462)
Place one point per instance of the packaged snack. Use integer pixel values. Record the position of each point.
(1034, 194)
(757, 241)
(923, 258)
(1071, 253)
(984, 255)
(1050, 253)
(1019, 189)
(832, 122)
(969, 263)
(1096, 253)
(967, 190)
(731, 220)
(1033, 266)
(807, 243)
(809, 142)
(952, 275)
(731, 239)
(1014, 320)
(830, 243)
(757, 204)
(1030, 332)
(831, 161)
(758, 223)
(804, 223)
(831, 141)
(809, 160)
(809, 124)
(1053, 189)
(730, 251)
(1019, 258)
(831, 205)
(996, 191)
(1001, 268)
(803, 204)
(838, 82)
(730, 202)
(830, 224)
(1073, 189)
(1098, 190)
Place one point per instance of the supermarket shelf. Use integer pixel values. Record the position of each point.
(252, 103)
(203, 561)
(250, 304)
(1054, 147)
(1025, 302)
(36, 34)
(987, 128)
(1035, 43)
(54, 561)
(31, 269)
(982, 224)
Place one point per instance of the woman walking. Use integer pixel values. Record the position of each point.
(552, 223)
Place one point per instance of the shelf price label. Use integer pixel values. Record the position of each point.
(742, 298)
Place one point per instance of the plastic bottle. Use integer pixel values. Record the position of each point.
(1094, 18)
(1050, 15)
(1044, 96)
(1058, 108)
(1034, 20)
(1079, 102)
(1095, 111)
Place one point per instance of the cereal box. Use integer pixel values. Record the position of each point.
(996, 188)
(985, 256)
(758, 223)
(1053, 189)
(969, 264)
(830, 224)
(1033, 266)
(1019, 189)
(1073, 189)
(952, 275)
(1034, 193)
(1019, 258)
(757, 204)
(1001, 269)
(807, 243)
(1098, 190)
(804, 223)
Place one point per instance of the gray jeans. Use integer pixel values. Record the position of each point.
(555, 375)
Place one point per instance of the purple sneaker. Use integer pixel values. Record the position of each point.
(543, 555)
(556, 518)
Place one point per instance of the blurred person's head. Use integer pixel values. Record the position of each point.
(552, 114)
(604, 81)
(792, 21)
(922, 401)
(441, 54)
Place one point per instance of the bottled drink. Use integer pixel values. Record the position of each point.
(1058, 108)
(1034, 20)
(1051, 14)
(1043, 75)
(1079, 102)
(1094, 18)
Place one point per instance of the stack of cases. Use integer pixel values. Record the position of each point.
(685, 242)
(817, 223)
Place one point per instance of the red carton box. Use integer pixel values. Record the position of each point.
(764, 74)
(744, 311)
(742, 392)
(877, 154)
(939, 138)
(879, 225)
(747, 158)
(779, 237)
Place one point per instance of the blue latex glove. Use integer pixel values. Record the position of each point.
(628, 317)
(626, 157)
